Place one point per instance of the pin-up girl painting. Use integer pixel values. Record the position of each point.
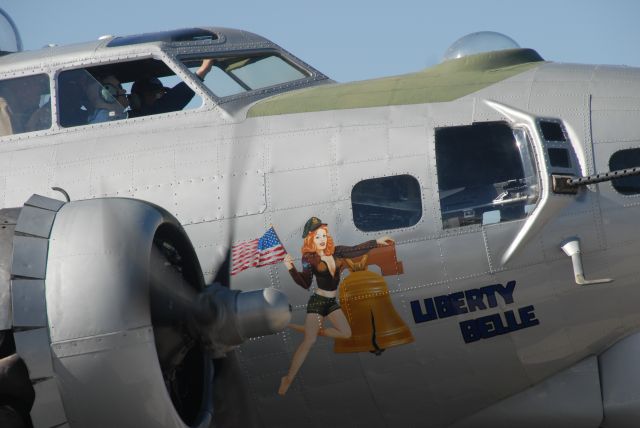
(324, 260)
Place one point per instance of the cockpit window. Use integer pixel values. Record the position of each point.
(121, 90)
(85, 100)
(235, 75)
(486, 174)
(25, 104)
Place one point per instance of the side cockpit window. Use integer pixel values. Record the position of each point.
(121, 91)
(25, 104)
(84, 99)
(149, 87)
(486, 174)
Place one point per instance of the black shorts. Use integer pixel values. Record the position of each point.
(322, 305)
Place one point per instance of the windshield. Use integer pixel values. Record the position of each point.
(235, 75)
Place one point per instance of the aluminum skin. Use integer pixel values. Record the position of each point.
(226, 177)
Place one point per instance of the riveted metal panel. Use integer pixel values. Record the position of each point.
(126, 378)
(29, 257)
(300, 146)
(44, 203)
(103, 343)
(47, 410)
(464, 255)
(569, 398)
(35, 221)
(7, 225)
(98, 259)
(222, 196)
(619, 372)
(33, 347)
(29, 304)
(311, 186)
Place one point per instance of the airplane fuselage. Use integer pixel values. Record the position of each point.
(483, 329)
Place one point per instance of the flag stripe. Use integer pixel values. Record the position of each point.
(274, 256)
(266, 250)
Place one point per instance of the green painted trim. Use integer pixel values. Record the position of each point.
(447, 81)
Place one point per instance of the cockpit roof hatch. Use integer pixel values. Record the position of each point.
(181, 35)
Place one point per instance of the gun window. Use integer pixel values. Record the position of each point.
(624, 159)
(386, 203)
(552, 131)
(486, 174)
(25, 104)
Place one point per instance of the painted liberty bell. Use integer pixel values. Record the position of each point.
(365, 300)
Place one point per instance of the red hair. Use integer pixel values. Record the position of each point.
(308, 246)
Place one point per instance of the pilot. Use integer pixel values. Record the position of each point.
(108, 100)
(149, 96)
(20, 109)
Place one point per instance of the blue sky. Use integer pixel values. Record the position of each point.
(357, 39)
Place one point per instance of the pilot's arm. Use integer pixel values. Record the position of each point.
(5, 118)
(205, 68)
(40, 119)
(181, 94)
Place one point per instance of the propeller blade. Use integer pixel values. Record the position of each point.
(223, 275)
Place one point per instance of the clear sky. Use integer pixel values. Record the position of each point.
(356, 39)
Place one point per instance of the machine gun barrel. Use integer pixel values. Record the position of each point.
(606, 176)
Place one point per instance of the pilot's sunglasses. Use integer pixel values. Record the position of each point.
(115, 91)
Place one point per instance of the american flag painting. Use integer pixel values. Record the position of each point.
(263, 251)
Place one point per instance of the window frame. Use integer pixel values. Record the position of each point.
(617, 180)
(19, 74)
(535, 183)
(310, 74)
(181, 72)
(419, 199)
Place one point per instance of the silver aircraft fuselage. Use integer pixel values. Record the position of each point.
(502, 332)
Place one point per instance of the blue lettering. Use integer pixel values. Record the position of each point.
(506, 292)
(491, 326)
(444, 307)
(462, 302)
(494, 325)
(512, 322)
(469, 331)
(527, 316)
(420, 316)
(474, 300)
(457, 301)
(490, 292)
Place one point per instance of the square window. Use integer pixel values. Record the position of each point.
(386, 203)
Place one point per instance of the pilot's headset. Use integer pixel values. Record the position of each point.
(108, 92)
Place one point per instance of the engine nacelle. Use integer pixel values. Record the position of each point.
(107, 307)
